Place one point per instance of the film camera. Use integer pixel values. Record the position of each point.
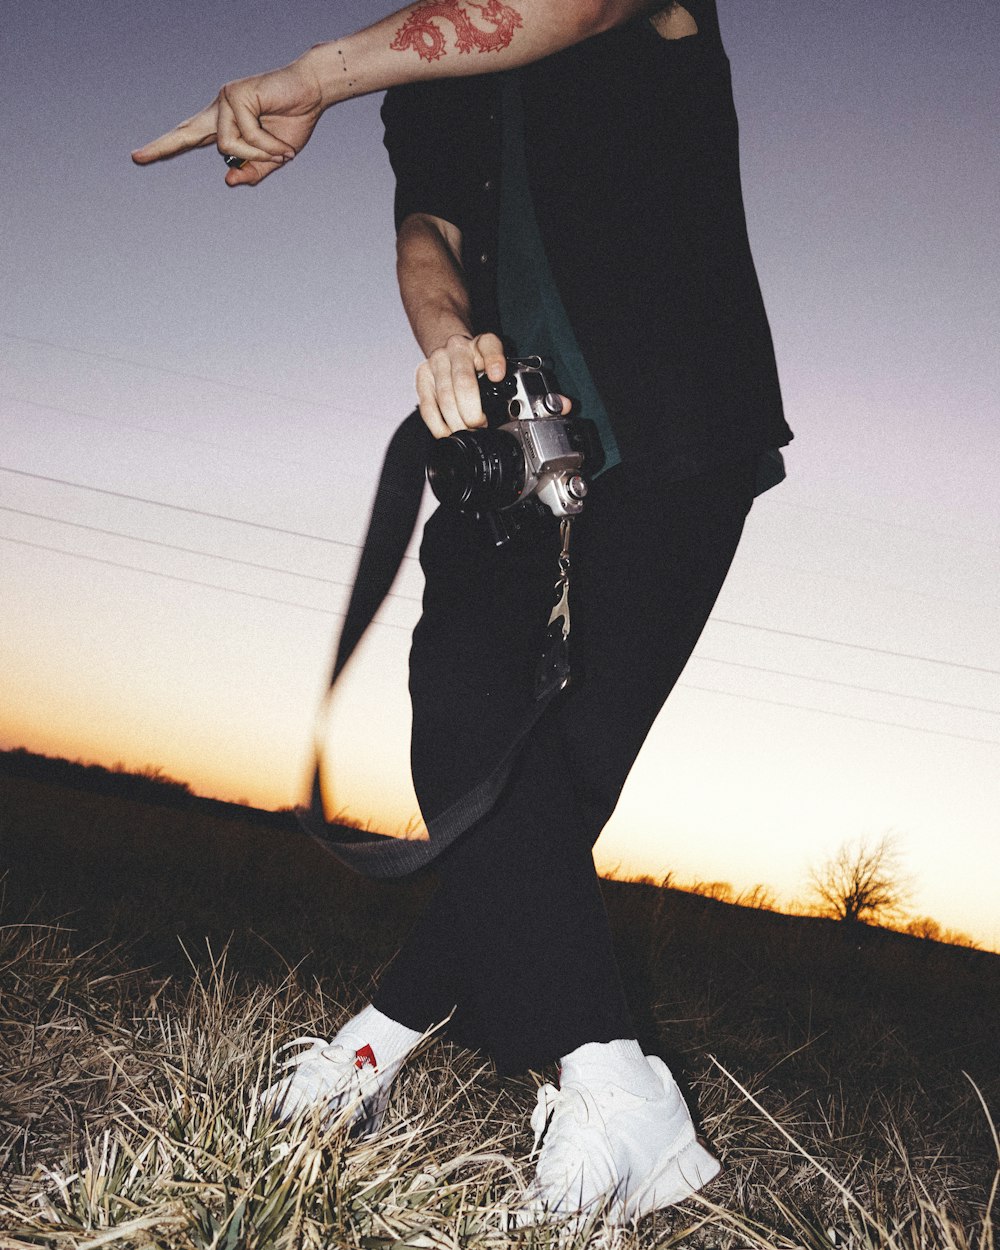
(528, 458)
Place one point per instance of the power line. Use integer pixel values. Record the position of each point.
(229, 384)
(849, 685)
(821, 711)
(857, 646)
(191, 581)
(114, 423)
(176, 507)
(870, 584)
(194, 551)
(332, 581)
(767, 629)
(884, 523)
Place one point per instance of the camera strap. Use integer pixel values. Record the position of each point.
(393, 520)
(553, 673)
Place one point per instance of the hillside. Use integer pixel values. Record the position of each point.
(867, 1045)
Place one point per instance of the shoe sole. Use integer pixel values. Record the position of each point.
(682, 1173)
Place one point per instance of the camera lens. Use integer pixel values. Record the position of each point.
(477, 470)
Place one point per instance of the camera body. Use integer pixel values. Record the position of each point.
(529, 456)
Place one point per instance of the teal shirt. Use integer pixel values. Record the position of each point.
(532, 315)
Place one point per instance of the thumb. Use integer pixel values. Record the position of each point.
(249, 174)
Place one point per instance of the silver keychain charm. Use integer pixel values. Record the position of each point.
(561, 609)
(553, 673)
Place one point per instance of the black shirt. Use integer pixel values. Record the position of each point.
(633, 158)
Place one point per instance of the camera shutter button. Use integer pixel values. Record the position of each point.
(577, 486)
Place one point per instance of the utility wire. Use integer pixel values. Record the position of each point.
(194, 551)
(849, 685)
(114, 423)
(856, 646)
(822, 711)
(767, 629)
(229, 384)
(880, 587)
(870, 584)
(332, 581)
(191, 581)
(176, 507)
(884, 523)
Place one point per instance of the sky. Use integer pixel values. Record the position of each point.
(197, 385)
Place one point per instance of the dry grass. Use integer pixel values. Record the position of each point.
(135, 1031)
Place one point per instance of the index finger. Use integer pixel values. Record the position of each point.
(196, 132)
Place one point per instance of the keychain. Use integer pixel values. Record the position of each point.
(553, 673)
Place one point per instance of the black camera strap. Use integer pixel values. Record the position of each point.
(390, 528)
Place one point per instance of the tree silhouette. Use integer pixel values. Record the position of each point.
(862, 883)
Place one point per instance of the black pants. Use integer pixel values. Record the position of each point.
(516, 937)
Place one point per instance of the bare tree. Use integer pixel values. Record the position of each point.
(862, 883)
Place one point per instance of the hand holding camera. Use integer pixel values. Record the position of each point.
(530, 454)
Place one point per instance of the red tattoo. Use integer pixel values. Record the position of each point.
(421, 33)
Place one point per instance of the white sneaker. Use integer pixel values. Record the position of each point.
(343, 1083)
(613, 1151)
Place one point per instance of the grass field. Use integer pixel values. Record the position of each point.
(152, 957)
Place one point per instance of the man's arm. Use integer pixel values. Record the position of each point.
(434, 294)
(455, 38)
(265, 120)
(432, 286)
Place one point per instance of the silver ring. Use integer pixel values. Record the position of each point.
(234, 162)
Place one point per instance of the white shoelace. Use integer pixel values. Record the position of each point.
(320, 1072)
(315, 1049)
(575, 1165)
(331, 1078)
(545, 1102)
(562, 1117)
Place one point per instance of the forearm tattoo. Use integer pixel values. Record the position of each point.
(421, 33)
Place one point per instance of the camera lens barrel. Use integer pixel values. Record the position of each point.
(477, 470)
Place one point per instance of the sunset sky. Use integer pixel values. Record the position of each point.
(197, 385)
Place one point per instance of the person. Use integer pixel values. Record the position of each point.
(567, 185)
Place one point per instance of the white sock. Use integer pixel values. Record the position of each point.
(619, 1063)
(390, 1042)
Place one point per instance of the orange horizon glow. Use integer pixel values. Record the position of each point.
(615, 855)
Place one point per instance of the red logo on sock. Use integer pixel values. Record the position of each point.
(365, 1058)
